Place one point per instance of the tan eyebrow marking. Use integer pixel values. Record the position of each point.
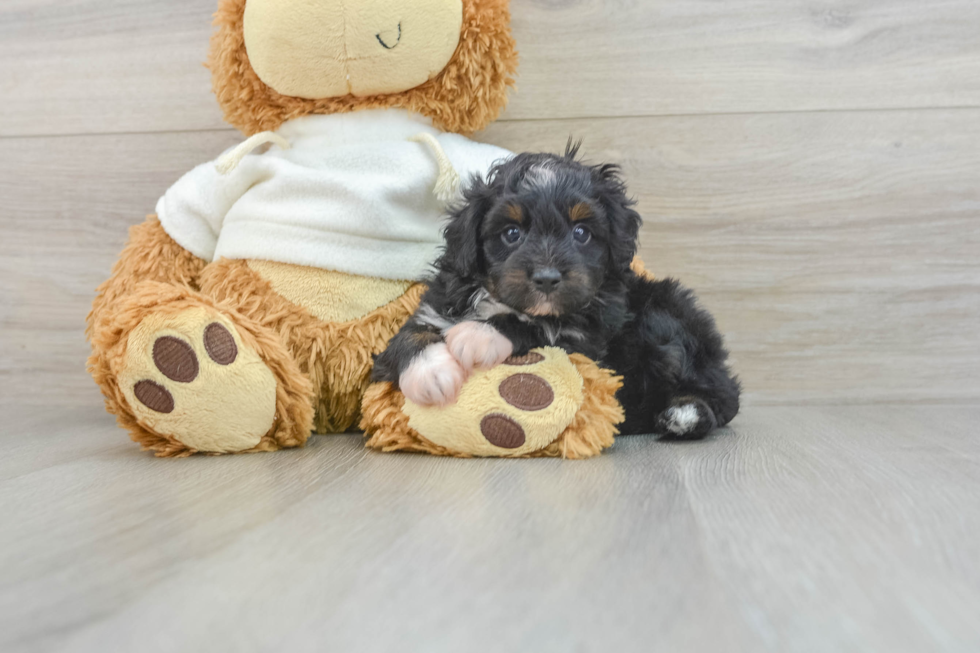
(580, 211)
(516, 213)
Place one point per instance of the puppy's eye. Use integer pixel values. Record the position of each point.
(511, 235)
(581, 234)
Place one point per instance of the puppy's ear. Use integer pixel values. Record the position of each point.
(463, 255)
(624, 221)
(625, 229)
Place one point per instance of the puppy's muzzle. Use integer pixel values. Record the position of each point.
(546, 280)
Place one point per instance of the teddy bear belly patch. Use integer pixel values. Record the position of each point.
(329, 295)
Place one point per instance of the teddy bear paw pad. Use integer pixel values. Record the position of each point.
(502, 431)
(513, 409)
(189, 376)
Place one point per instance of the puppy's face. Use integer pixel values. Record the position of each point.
(545, 247)
(546, 232)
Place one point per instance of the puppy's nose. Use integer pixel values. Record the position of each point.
(546, 279)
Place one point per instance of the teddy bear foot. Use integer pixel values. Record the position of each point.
(189, 377)
(543, 404)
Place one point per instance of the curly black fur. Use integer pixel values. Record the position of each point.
(541, 251)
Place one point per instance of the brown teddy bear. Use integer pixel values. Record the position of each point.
(246, 312)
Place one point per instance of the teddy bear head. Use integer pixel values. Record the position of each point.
(274, 60)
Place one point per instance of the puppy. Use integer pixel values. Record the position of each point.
(539, 254)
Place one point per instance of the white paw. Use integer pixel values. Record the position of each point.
(433, 378)
(476, 344)
(681, 420)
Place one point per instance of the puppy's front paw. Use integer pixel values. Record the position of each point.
(476, 344)
(433, 378)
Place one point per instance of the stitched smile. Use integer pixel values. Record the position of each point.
(385, 45)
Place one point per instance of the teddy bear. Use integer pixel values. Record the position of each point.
(244, 314)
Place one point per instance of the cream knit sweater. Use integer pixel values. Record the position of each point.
(352, 193)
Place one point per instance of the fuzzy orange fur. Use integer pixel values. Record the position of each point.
(592, 430)
(155, 276)
(465, 97)
(337, 358)
(640, 269)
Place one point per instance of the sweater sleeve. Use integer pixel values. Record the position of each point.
(193, 209)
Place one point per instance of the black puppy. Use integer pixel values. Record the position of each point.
(540, 255)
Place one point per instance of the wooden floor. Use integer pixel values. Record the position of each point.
(799, 529)
(811, 168)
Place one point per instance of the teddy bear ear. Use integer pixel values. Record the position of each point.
(471, 91)
(465, 96)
